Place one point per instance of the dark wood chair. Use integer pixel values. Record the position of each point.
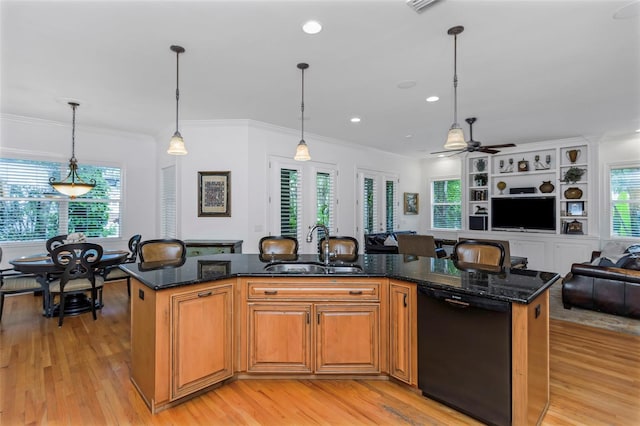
(488, 253)
(113, 273)
(79, 263)
(504, 243)
(278, 245)
(56, 241)
(14, 282)
(343, 248)
(162, 249)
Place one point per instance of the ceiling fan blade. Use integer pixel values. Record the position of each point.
(455, 151)
(488, 150)
(504, 145)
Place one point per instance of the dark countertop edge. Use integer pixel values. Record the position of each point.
(365, 275)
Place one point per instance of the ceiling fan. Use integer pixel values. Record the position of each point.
(476, 146)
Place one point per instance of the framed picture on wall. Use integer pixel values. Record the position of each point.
(410, 203)
(214, 194)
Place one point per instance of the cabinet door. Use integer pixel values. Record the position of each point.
(348, 338)
(402, 333)
(279, 338)
(201, 339)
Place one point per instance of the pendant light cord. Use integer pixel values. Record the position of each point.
(302, 108)
(73, 132)
(177, 85)
(455, 78)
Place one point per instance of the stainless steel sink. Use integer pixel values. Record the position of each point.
(344, 269)
(312, 268)
(295, 268)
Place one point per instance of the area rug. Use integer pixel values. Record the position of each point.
(588, 317)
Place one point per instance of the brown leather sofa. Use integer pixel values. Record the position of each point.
(609, 289)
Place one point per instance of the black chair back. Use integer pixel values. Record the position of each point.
(78, 260)
(134, 242)
(54, 242)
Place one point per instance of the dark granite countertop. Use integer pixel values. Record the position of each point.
(511, 285)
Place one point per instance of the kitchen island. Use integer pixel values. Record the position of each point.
(216, 318)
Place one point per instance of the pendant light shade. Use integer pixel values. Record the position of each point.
(455, 137)
(72, 185)
(176, 145)
(302, 151)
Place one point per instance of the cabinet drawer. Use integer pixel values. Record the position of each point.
(313, 291)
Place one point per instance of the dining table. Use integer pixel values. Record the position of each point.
(46, 271)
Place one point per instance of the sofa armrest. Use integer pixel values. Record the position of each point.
(606, 272)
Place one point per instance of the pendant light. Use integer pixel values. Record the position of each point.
(72, 185)
(302, 151)
(455, 137)
(176, 146)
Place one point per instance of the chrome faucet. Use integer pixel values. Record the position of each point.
(326, 239)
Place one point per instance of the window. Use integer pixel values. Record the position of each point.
(30, 209)
(169, 215)
(290, 202)
(624, 184)
(446, 209)
(301, 195)
(325, 196)
(379, 202)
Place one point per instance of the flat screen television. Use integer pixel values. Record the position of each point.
(533, 214)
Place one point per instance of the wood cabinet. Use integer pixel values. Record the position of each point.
(290, 327)
(201, 338)
(403, 332)
(181, 339)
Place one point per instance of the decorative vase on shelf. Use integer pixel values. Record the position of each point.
(573, 155)
(546, 187)
(573, 193)
(480, 165)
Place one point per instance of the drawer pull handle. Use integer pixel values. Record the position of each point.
(205, 294)
(270, 292)
(404, 300)
(355, 291)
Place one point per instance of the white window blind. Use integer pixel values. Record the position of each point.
(446, 204)
(370, 205)
(290, 202)
(391, 204)
(625, 201)
(325, 200)
(169, 216)
(31, 210)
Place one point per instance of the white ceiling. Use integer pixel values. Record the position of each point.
(529, 70)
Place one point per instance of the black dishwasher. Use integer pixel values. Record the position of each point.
(464, 353)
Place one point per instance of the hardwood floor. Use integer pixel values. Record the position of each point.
(79, 374)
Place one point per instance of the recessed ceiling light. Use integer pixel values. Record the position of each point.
(433, 99)
(638, 131)
(355, 119)
(408, 136)
(440, 155)
(407, 84)
(312, 27)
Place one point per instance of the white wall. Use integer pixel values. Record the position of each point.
(244, 147)
(22, 137)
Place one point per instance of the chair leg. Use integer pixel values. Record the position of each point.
(94, 296)
(61, 310)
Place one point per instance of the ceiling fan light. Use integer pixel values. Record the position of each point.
(302, 152)
(176, 145)
(455, 138)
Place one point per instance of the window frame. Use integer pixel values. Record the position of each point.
(609, 197)
(434, 204)
(64, 202)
